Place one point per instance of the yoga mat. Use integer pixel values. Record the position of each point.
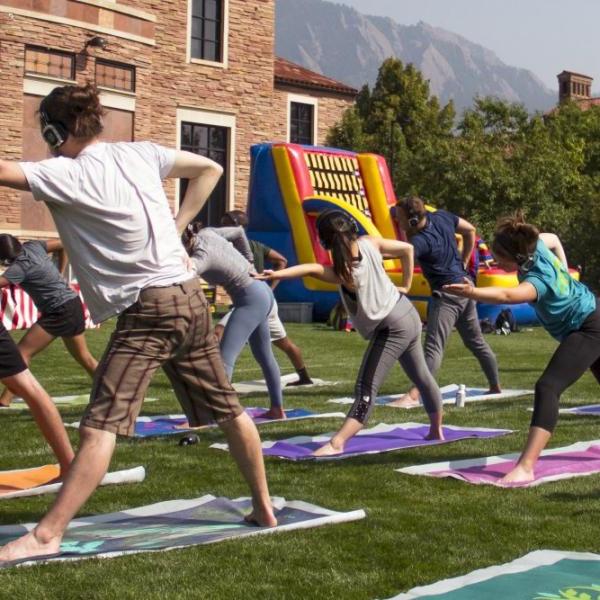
(175, 524)
(592, 410)
(381, 438)
(34, 482)
(260, 385)
(540, 575)
(576, 460)
(448, 396)
(79, 400)
(162, 425)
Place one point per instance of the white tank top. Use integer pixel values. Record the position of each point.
(376, 295)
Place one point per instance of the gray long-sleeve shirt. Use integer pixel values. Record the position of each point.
(222, 256)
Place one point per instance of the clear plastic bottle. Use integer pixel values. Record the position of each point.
(461, 394)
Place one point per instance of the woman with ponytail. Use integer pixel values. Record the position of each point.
(222, 256)
(566, 308)
(116, 224)
(380, 312)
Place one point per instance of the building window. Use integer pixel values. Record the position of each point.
(302, 119)
(115, 75)
(53, 63)
(213, 142)
(207, 30)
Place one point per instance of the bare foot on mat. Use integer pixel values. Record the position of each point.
(519, 474)
(28, 546)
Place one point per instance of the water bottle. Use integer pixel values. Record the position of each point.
(461, 394)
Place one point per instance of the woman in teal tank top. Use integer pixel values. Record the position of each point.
(566, 308)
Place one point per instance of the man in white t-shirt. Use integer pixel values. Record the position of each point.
(113, 217)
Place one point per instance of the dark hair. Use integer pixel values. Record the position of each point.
(235, 217)
(337, 231)
(10, 247)
(187, 238)
(514, 238)
(413, 208)
(76, 108)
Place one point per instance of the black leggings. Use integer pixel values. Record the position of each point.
(577, 353)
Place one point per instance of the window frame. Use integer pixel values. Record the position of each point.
(49, 51)
(223, 63)
(114, 63)
(199, 116)
(301, 99)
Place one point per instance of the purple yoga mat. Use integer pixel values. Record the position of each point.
(381, 438)
(576, 460)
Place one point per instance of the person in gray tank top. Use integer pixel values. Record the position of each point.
(62, 313)
(222, 256)
(380, 312)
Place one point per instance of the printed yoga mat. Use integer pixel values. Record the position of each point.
(576, 460)
(79, 400)
(592, 410)
(175, 524)
(381, 438)
(34, 482)
(260, 385)
(162, 425)
(540, 575)
(448, 396)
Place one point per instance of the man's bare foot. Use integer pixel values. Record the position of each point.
(519, 474)
(406, 401)
(273, 413)
(328, 449)
(28, 546)
(261, 517)
(4, 403)
(494, 389)
(435, 433)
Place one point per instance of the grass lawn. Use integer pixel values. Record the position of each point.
(418, 530)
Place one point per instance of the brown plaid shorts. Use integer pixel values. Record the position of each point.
(168, 327)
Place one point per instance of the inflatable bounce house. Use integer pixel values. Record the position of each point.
(291, 184)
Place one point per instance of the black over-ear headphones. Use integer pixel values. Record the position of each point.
(525, 262)
(335, 212)
(54, 133)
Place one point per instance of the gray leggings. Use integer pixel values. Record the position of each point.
(249, 323)
(446, 311)
(397, 338)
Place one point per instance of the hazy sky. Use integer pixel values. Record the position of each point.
(544, 36)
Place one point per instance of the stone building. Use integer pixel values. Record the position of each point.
(199, 75)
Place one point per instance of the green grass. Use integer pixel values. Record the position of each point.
(418, 530)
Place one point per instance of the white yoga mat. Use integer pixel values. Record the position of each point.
(260, 385)
(448, 396)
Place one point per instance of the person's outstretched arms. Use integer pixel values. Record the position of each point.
(554, 245)
(308, 269)
(400, 250)
(203, 174)
(524, 292)
(12, 176)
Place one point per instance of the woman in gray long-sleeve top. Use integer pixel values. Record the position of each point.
(222, 256)
(380, 312)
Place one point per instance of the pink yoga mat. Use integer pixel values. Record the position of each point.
(577, 460)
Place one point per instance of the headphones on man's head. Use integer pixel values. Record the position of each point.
(412, 217)
(328, 214)
(55, 134)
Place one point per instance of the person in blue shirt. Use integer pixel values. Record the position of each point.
(433, 236)
(566, 308)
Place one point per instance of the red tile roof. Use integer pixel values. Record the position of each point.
(293, 74)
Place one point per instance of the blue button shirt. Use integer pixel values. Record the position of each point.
(563, 303)
(437, 252)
